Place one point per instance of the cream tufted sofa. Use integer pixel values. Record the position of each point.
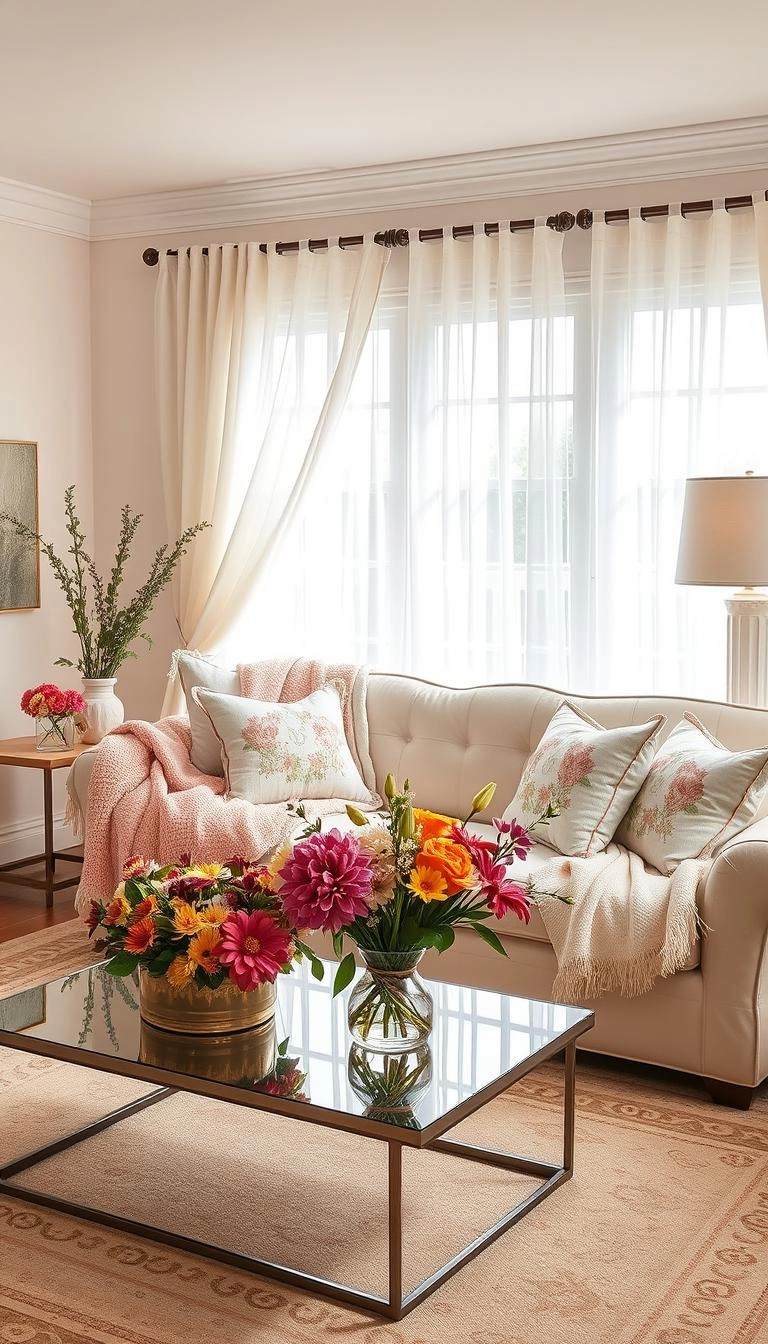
(712, 1018)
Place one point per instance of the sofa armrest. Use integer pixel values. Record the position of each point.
(734, 964)
(78, 778)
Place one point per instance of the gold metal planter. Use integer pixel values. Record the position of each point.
(240, 1057)
(193, 1011)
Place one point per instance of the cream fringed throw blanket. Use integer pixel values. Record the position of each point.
(146, 797)
(626, 927)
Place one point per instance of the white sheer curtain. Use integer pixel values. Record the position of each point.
(439, 540)
(486, 506)
(680, 379)
(256, 354)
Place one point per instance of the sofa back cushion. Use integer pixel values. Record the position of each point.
(450, 742)
(195, 670)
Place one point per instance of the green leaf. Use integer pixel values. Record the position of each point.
(445, 938)
(344, 974)
(316, 966)
(123, 964)
(489, 937)
(159, 964)
(338, 944)
(283, 1046)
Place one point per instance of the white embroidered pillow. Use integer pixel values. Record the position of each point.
(276, 753)
(194, 671)
(696, 796)
(589, 773)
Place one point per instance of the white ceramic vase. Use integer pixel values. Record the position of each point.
(103, 710)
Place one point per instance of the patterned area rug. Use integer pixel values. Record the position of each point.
(660, 1238)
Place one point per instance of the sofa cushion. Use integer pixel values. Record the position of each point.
(274, 753)
(589, 774)
(196, 670)
(696, 796)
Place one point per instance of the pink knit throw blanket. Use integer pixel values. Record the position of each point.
(146, 797)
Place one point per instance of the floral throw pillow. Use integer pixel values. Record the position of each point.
(590, 774)
(697, 795)
(275, 753)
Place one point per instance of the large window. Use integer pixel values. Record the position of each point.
(516, 524)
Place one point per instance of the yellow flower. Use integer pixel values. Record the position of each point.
(206, 870)
(281, 855)
(428, 883)
(180, 972)
(118, 909)
(186, 918)
(202, 949)
(214, 914)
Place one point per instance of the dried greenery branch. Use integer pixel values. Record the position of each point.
(105, 630)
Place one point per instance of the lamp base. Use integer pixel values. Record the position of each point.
(748, 647)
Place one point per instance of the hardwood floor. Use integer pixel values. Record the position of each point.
(22, 910)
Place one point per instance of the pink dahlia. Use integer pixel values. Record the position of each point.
(501, 894)
(327, 882)
(253, 947)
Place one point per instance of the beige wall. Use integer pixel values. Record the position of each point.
(125, 436)
(45, 395)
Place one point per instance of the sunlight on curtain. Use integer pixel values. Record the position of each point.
(501, 499)
(256, 355)
(437, 537)
(681, 389)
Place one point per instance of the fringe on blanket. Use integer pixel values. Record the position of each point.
(73, 817)
(588, 978)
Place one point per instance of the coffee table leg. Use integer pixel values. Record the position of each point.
(569, 1106)
(395, 1179)
(50, 862)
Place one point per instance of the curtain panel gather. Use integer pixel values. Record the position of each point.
(241, 427)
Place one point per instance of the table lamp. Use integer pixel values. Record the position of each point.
(724, 543)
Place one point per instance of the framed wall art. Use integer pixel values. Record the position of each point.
(19, 562)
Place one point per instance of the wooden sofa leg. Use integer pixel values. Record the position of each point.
(737, 1095)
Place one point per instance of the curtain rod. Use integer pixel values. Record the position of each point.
(562, 222)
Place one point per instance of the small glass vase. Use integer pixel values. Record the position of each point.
(55, 734)
(390, 1007)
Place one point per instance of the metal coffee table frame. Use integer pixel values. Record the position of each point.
(396, 1304)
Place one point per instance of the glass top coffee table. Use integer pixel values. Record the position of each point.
(303, 1065)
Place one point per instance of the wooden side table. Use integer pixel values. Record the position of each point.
(21, 751)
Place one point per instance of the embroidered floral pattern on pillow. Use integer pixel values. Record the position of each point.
(684, 790)
(538, 792)
(296, 744)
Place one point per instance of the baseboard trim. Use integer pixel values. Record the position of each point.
(20, 838)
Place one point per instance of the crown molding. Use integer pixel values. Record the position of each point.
(614, 160)
(38, 208)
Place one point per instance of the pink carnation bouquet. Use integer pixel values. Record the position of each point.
(59, 708)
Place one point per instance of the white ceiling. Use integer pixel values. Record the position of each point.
(103, 98)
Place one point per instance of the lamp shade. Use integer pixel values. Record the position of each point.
(724, 534)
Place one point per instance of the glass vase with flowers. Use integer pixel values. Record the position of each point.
(396, 887)
(59, 716)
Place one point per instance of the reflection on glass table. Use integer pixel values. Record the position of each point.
(477, 1037)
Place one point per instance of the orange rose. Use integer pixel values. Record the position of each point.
(433, 823)
(449, 858)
